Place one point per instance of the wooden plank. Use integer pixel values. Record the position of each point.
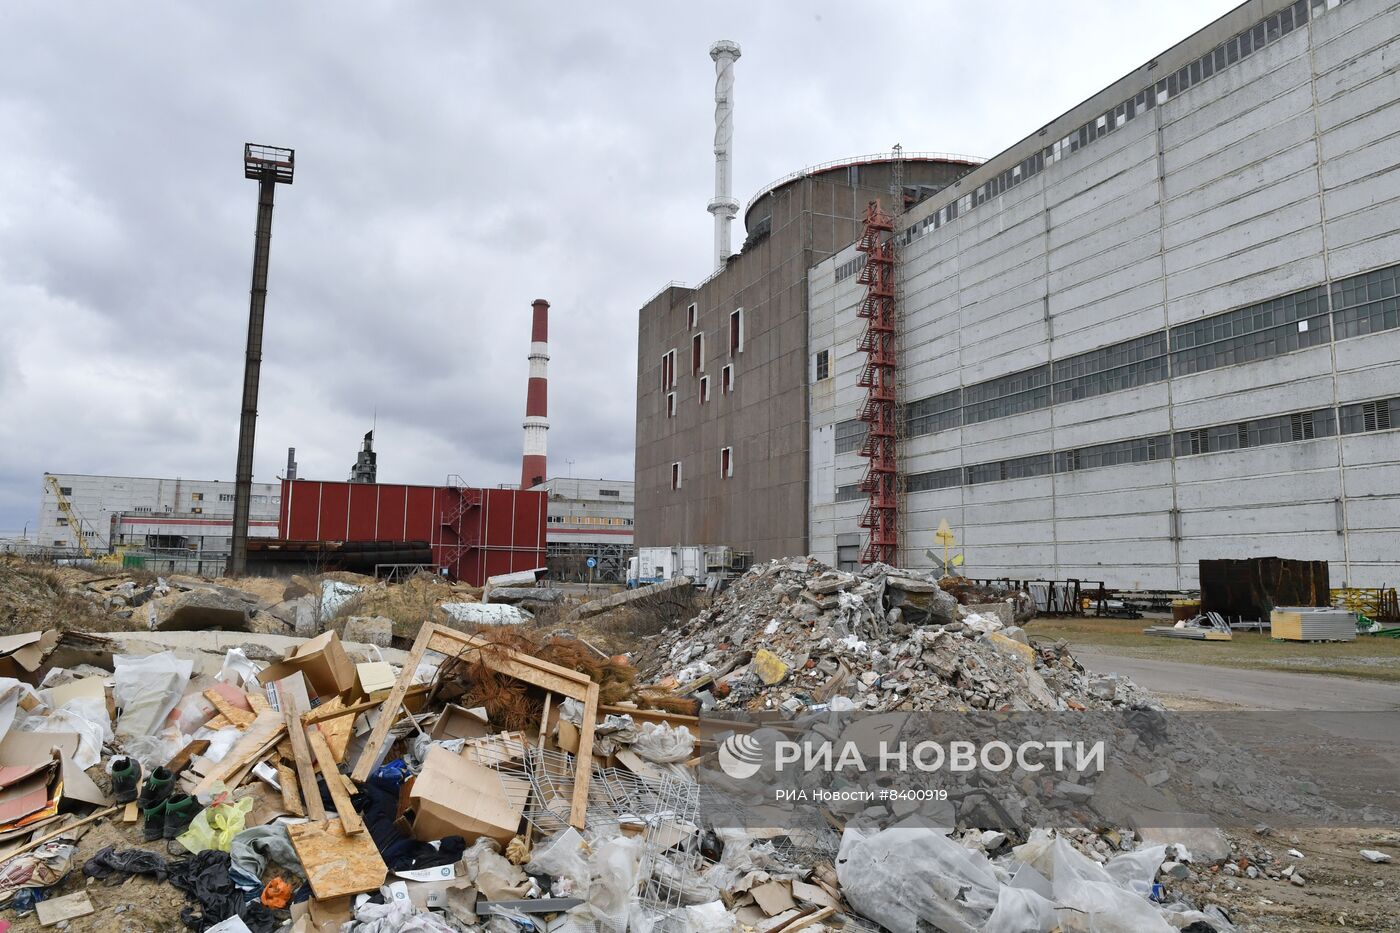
(62, 830)
(306, 771)
(511, 663)
(349, 819)
(218, 722)
(258, 700)
(184, 756)
(583, 761)
(132, 813)
(652, 715)
(337, 864)
(59, 909)
(291, 795)
(369, 756)
(264, 732)
(806, 920)
(337, 730)
(325, 712)
(239, 717)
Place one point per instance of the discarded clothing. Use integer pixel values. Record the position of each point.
(205, 880)
(400, 852)
(253, 848)
(42, 868)
(115, 867)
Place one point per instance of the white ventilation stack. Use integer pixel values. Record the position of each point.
(724, 207)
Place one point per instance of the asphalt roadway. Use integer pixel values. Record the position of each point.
(1251, 689)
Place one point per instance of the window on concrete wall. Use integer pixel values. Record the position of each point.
(66, 490)
(849, 436)
(615, 493)
(676, 475)
(704, 389)
(727, 379)
(670, 404)
(1255, 332)
(823, 365)
(692, 313)
(62, 522)
(736, 331)
(1369, 416)
(935, 413)
(668, 369)
(726, 462)
(1366, 303)
(697, 354)
(196, 497)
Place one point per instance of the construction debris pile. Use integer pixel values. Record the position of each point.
(498, 779)
(798, 636)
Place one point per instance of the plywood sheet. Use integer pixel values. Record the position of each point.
(337, 864)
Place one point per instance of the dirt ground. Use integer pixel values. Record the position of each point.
(1369, 657)
(1341, 890)
(137, 906)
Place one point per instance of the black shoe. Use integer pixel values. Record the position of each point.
(126, 779)
(158, 786)
(154, 826)
(179, 810)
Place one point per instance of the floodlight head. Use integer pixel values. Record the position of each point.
(272, 162)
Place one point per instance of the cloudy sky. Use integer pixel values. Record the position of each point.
(454, 162)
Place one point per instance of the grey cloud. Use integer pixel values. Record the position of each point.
(455, 161)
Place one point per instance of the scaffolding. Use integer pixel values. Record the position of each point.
(880, 412)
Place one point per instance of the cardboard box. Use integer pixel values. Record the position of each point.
(322, 661)
(376, 679)
(454, 796)
(21, 655)
(39, 748)
(458, 722)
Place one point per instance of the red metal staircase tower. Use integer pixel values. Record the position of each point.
(880, 411)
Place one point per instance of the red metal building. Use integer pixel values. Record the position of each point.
(474, 533)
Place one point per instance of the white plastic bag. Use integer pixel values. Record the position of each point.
(563, 858)
(708, 918)
(1096, 902)
(663, 743)
(146, 690)
(1021, 910)
(910, 877)
(87, 716)
(616, 868)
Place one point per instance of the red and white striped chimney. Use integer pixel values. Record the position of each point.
(532, 467)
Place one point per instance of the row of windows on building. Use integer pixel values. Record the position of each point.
(586, 520)
(1354, 418)
(1351, 307)
(726, 468)
(1233, 50)
(669, 376)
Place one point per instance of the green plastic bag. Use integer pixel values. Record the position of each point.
(215, 826)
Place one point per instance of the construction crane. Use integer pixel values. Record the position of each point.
(76, 524)
(69, 513)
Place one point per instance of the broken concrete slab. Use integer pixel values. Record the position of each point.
(199, 610)
(370, 630)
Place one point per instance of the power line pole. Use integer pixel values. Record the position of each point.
(269, 166)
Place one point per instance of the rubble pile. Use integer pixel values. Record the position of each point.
(496, 779)
(795, 635)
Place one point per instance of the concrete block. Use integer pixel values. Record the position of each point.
(369, 630)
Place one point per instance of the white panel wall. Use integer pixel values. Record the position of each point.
(1279, 173)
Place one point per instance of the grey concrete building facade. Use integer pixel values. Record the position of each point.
(118, 510)
(722, 413)
(589, 518)
(1164, 327)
